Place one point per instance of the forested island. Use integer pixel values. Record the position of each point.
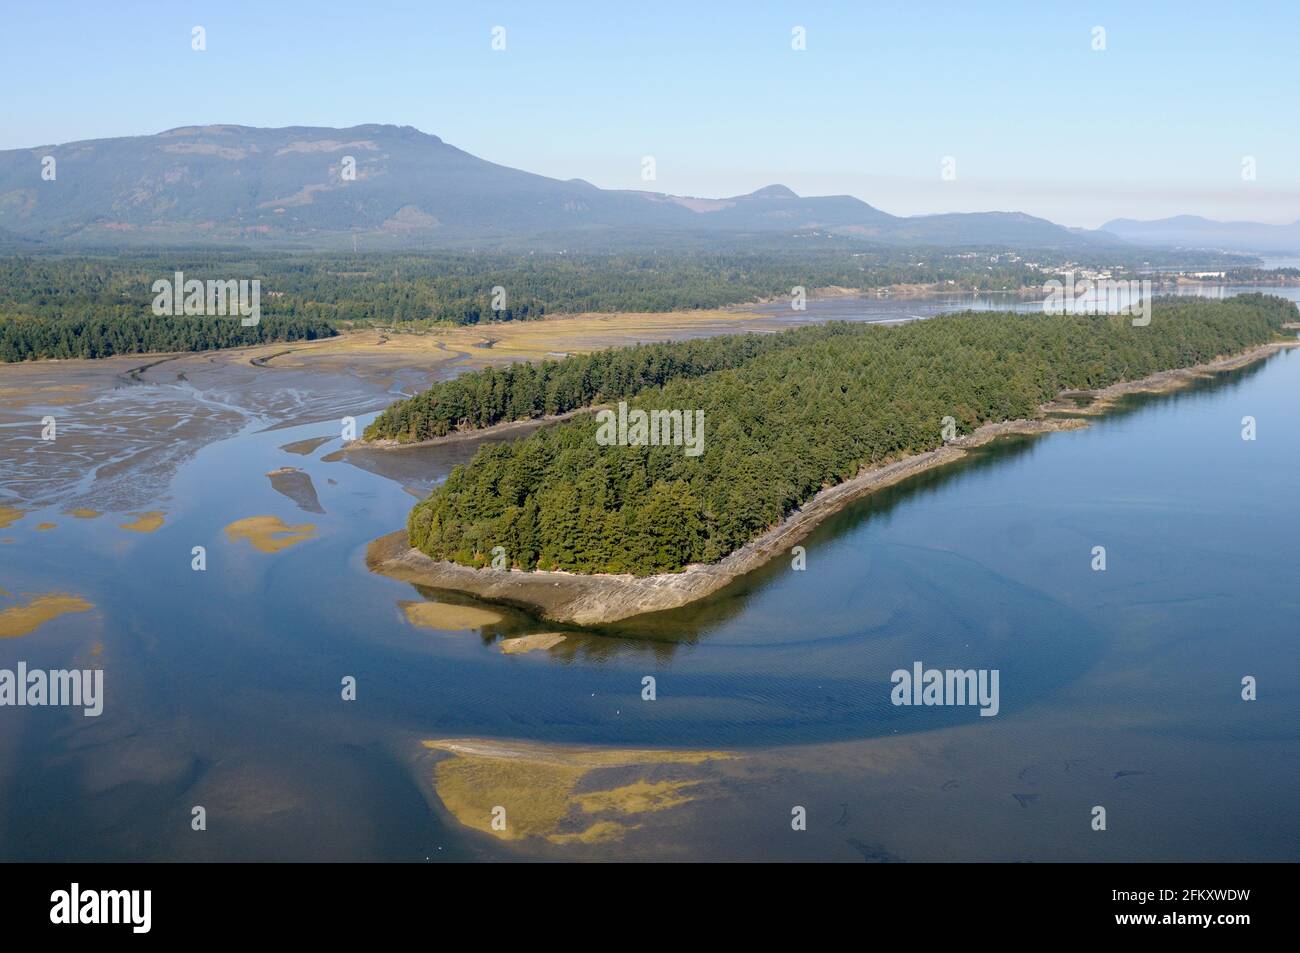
(787, 418)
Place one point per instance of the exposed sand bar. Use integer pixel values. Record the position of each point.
(565, 794)
(595, 599)
(448, 617)
(305, 447)
(269, 534)
(23, 618)
(145, 522)
(297, 486)
(538, 642)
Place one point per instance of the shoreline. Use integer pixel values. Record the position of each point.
(455, 436)
(595, 599)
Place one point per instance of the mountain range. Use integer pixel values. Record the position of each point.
(1192, 231)
(396, 187)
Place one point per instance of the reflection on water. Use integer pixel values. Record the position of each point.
(223, 686)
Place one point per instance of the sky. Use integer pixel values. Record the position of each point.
(1033, 116)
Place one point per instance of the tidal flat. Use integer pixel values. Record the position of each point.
(222, 685)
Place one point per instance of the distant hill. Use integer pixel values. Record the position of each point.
(1192, 231)
(10, 242)
(290, 186)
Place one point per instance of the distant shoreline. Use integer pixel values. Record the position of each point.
(594, 599)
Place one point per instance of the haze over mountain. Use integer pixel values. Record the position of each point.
(1193, 231)
(293, 186)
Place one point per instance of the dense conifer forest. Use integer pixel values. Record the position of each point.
(29, 338)
(784, 418)
(94, 306)
(527, 391)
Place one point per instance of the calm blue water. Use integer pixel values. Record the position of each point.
(229, 679)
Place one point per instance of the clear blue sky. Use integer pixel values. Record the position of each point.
(1037, 121)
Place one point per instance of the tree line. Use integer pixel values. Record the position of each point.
(23, 339)
(457, 287)
(525, 391)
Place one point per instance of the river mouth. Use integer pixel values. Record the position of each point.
(224, 684)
